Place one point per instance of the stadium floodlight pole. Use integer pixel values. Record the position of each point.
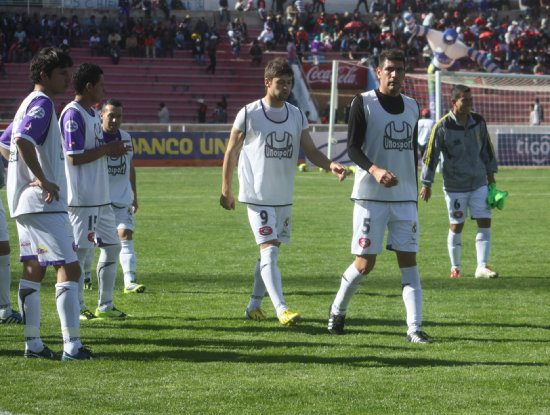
(333, 106)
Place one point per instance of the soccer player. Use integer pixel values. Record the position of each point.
(268, 134)
(382, 141)
(425, 126)
(122, 184)
(7, 314)
(89, 199)
(37, 199)
(468, 164)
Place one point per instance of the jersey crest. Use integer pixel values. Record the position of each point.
(278, 147)
(398, 138)
(119, 168)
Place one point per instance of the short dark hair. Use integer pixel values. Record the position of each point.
(112, 101)
(86, 72)
(391, 55)
(46, 60)
(457, 90)
(278, 67)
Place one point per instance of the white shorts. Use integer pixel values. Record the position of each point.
(47, 237)
(459, 203)
(370, 220)
(124, 217)
(4, 234)
(269, 223)
(93, 225)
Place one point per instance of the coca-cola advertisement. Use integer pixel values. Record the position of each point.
(349, 76)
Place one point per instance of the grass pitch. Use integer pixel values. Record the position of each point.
(188, 349)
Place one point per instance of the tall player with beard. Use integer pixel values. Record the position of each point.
(382, 141)
(122, 184)
(89, 199)
(268, 134)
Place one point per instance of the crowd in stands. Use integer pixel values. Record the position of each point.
(301, 29)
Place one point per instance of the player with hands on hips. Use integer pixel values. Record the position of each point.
(382, 142)
(37, 199)
(265, 140)
(468, 164)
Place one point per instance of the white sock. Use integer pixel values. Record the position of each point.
(83, 254)
(66, 299)
(128, 261)
(351, 280)
(258, 292)
(5, 280)
(106, 275)
(483, 246)
(454, 244)
(29, 305)
(412, 297)
(272, 278)
(88, 261)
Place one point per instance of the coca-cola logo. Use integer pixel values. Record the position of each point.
(350, 76)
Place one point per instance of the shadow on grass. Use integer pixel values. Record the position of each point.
(189, 354)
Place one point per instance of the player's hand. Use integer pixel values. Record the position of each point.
(115, 149)
(338, 170)
(385, 177)
(227, 202)
(50, 188)
(135, 205)
(426, 193)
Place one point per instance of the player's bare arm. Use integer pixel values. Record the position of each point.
(426, 193)
(385, 177)
(5, 153)
(318, 158)
(28, 155)
(134, 186)
(236, 140)
(112, 149)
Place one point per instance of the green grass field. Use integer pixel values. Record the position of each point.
(188, 349)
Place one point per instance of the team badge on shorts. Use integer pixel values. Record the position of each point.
(91, 236)
(364, 242)
(458, 214)
(414, 227)
(266, 230)
(42, 249)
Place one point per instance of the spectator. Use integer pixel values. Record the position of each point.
(266, 38)
(539, 109)
(198, 51)
(514, 67)
(202, 111)
(240, 5)
(212, 48)
(163, 114)
(220, 114)
(255, 53)
(359, 2)
(132, 45)
(534, 118)
(149, 43)
(94, 44)
(224, 12)
(114, 52)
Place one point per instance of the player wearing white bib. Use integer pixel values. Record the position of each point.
(7, 314)
(468, 164)
(425, 127)
(268, 134)
(382, 141)
(89, 199)
(37, 199)
(122, 184)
